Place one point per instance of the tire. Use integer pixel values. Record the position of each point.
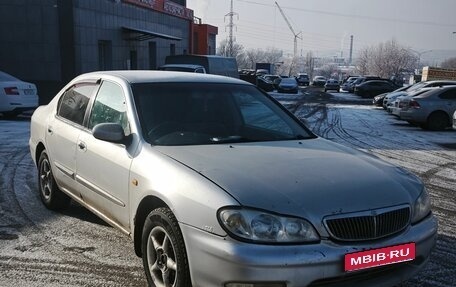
(163, 251)
(51, 196)
(437, 121)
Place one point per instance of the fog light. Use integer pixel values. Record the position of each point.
(256, 285)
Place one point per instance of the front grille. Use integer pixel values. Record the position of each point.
(376, 224)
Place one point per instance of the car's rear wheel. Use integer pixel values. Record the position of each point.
(437, 121)
(51, 196)
(163, 251)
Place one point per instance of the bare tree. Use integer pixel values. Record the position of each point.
(310, 64)
(238, 52)
(255, 56)
(386, 59)
(363, 61)
(273, 55)
(449, 63)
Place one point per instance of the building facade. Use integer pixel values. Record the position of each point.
(49, 42)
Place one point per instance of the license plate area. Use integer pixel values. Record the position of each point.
(379, 257)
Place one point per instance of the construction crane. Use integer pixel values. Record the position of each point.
(296, 36)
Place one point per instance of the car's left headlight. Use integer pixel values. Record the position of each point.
(422, 206)
(259, 226)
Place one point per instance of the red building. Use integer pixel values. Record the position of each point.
(203, 38)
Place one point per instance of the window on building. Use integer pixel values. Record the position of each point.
(104, 55)
(172, 49)
(133, 60)
(152, 55)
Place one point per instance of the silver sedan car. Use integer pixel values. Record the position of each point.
(219, 185)
(432, 109)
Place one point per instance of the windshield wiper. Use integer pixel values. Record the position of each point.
(229, 139)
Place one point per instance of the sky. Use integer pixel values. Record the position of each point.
(326, 25)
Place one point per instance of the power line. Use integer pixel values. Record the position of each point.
(383, 19)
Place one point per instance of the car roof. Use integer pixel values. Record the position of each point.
(440, 81)
(430, 91)
(375, 81)
(182, 65)
(146, 76)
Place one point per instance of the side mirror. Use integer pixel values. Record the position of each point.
(110, 132)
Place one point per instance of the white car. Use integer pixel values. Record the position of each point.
(16, 96)
(454, 120)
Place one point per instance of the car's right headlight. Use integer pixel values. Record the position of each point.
(422, 206)
(264, 227)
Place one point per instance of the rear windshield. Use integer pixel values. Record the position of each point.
(197, 114)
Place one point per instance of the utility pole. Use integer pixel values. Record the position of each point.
(296, 36)
(351, 51)
(231, 25)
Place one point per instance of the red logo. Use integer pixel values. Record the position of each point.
(379, 257)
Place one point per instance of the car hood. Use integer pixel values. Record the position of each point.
(310, 178)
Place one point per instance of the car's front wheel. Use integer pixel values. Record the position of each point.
(163, 251)
(51, 196)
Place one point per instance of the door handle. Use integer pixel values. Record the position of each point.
(82, 146)
(49, 129)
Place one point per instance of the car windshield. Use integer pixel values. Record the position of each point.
(198, 114)
(4, 77)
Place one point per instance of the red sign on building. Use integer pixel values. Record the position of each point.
(164, 6)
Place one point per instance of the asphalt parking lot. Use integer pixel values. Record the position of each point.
(75, 248)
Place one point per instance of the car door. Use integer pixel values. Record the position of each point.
(103, 168)
(63, 130)
(449, 101)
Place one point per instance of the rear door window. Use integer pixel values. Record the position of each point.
(73, 104)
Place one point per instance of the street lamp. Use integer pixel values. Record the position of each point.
(421, 53)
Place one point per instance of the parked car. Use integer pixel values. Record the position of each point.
(379, 100)
(372, 88)
(391, 102)
(348, 86)
(16, 96)
(288, 85)
(332, 84)
(319, 81)
(208, 173)
(265, 85)
(432, 110)
(275, 79)
(303, 79)
(398, 103)
(454, 120)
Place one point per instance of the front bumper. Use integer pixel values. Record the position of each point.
(216, 261)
